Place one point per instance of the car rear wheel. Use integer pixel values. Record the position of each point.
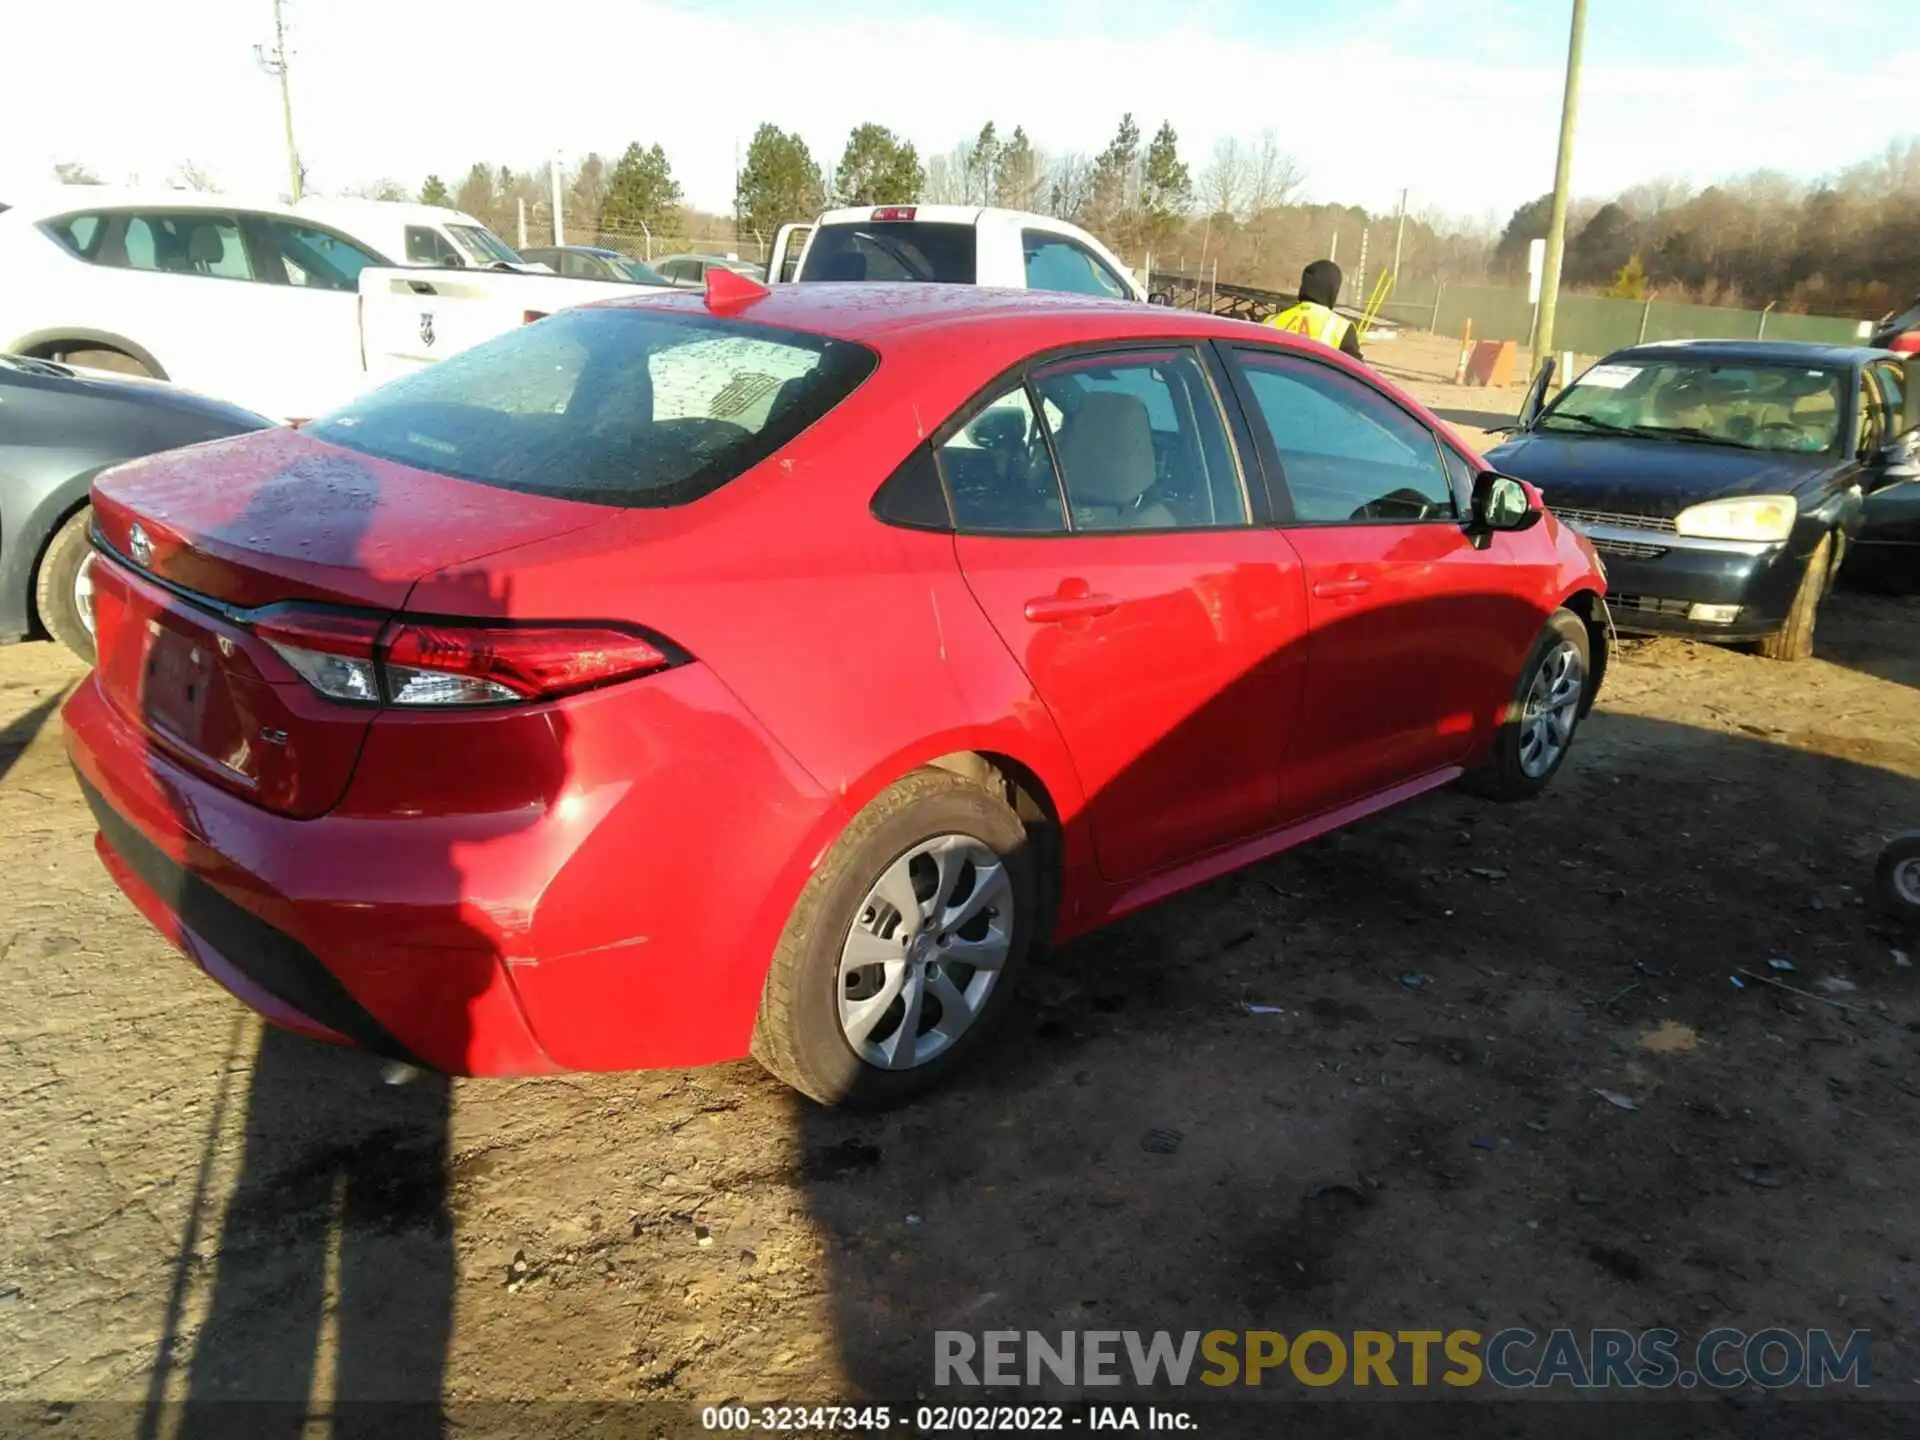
(904, 947)
(1548, 704)
(63, 589)
(1794, 640)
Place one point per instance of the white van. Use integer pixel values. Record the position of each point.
(252, 301)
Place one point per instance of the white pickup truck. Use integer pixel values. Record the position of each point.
(412, 317)
(951, 245)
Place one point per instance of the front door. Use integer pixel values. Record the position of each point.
(1106, 532)
(1418, 635)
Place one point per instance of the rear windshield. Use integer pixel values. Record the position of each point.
(636, 407)
(923, 250)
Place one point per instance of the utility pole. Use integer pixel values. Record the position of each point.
(1562, 181)
(1399, 238)
(274, 62)
(556, 175)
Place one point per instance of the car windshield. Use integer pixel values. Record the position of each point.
(482, 246)
(922, 250)
(633, 407)
(1753, 406)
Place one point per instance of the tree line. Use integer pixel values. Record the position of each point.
(1846, 245)
(1849, 244)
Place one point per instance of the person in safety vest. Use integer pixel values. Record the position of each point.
(1314, 316)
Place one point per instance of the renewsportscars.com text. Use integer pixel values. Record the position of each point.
(1513, 1358)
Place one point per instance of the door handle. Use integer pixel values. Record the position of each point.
(1347, 585)
(1052, 609)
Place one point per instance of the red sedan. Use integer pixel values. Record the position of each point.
(775, 672)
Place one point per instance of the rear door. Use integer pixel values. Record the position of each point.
(1106, 529)
(1417, 634)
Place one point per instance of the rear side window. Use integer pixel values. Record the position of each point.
(912, 250)
(616, 407)
(190, 242)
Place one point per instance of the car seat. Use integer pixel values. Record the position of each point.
(1106, 450)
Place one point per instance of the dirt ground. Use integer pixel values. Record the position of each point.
(192, 1208)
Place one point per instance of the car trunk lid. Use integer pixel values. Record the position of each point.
(209, 546)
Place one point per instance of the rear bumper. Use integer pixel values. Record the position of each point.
(622, 919)
(1655, 581)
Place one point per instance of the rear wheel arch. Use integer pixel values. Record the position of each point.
(1027, 795)
(58, 344)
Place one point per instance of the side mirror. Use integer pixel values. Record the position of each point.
(1159, 297)
(1502, 503)
(1898, 462)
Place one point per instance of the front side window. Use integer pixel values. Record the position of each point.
(427, 246)
(1893, 392)
(318, 259)
(482, 246)
(1751, 406)
(1055, 262)
(1349, 455)
(618, 407)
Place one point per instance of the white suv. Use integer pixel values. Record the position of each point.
(256, 303)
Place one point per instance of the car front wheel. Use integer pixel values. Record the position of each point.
(904, 946)
(1548, 704)
(63, 589)
(1794, 640)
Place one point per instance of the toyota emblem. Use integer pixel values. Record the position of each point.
(140, 547)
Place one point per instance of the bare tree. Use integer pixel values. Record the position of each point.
(1068, 187)
(1223, 183)
(1274, 175)
(189, 176)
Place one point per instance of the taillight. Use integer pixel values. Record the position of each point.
(451, 664)
(527, 317)
(361, 661)
(894, 212)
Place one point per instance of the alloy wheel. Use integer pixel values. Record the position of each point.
(925, 950)
(1552, 709)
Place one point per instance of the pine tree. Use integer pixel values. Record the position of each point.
(780, 182)
(642, 191)
(435, 192)
(877, 168)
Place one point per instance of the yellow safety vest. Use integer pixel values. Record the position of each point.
(1317, 322)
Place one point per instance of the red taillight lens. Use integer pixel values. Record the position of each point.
(365, 661)
(527, 317)
(894, 212)
(469, 665)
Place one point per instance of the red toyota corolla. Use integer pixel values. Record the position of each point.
(774, 672)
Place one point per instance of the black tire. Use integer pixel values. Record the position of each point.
(1896, 878)
(53, 587)
(799, 1036)
(1794, 640)
(1509, 772)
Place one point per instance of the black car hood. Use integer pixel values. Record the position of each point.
(1651, 477)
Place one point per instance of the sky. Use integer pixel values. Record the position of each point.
(1456, 101)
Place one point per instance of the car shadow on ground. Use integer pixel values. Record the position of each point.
(1360, 1087)
(1870, 631)
(331, 1263)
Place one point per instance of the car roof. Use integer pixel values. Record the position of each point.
(880, 313)
(346, 211)
(1754, 352)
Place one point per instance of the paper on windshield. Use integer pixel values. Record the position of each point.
(1609, 377)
